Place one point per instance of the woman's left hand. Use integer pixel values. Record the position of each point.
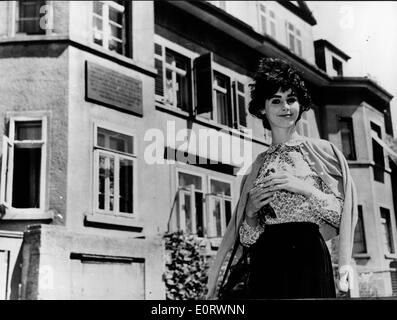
(288, 182)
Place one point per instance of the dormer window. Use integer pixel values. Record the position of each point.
(337, 66)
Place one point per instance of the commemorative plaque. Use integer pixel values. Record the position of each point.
(112, 88)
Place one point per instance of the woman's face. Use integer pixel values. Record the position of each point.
(282, 109)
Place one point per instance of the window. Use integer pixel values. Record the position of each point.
(267, 21)
(294, 39)
(28, 17)
(239, 101)
(337, 66)
(115, 172)
(195, 218)
(347, 136)
(387, 230)
(303, 125)
(173, 81)
(220, 208)
(377, 155)
(360, 244)
(222, 112)
(111, 25)
(191, 213)
(23, 164)
(215, 98)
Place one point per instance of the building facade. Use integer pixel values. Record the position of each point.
(123, 120)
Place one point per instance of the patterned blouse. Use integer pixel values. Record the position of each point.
(322, 207)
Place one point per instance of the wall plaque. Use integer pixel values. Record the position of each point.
(112, 88)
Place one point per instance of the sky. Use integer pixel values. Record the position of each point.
(367, 32)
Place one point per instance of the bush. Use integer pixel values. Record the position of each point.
(186, 267)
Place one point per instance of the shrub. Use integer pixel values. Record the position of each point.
(186, 267)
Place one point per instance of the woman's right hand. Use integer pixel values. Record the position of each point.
(257, 198)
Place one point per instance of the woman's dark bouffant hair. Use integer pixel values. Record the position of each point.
(273, 74)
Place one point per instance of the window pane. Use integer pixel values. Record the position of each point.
(116, 32)
(299, 47)
(224, 115)
(126, 185)
(228, 211)
(387, 231)
(26, 177)
(185, 206)
(27, 130)
(360, 245)
(182, 94)
(292, 42)
(115, 45)
(98, 7)
(219, 187)
(111, 184)
(101, 186)
(169, 87)
(115, 16)
(186, 179)
(199, 214)
(29, 17)
(263, 24)
(273, 29)
(115, 141)
(216, 213)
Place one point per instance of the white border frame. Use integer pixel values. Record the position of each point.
(95, 167)
(43, 166)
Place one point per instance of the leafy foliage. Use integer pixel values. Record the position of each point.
(186, 267)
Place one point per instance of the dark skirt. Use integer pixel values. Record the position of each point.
(291, 261)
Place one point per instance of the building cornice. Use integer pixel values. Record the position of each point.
(302, 11)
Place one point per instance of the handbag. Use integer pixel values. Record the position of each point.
(235, 286)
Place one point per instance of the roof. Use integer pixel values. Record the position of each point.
(326, 43)
(301, 10)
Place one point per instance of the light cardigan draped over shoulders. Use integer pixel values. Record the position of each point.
(330, 164)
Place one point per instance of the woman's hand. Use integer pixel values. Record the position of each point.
(257, 198)
(288, 182)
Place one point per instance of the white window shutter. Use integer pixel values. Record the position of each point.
(6, 171)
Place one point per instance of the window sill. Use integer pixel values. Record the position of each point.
(210, 123)
(361, 256)
(27, 214)
(108, 219)
(391, 256)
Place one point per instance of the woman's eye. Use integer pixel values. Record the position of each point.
(291, 100)
(276, 101)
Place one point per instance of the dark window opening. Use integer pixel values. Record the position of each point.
(26, 178)
(347, 135)
(29, 16)
(337, 66)
(360, 244)
(387, 230)
(378, 156)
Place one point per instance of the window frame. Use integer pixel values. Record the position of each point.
(227, 92)
(391, 231)
(297, 38)
(193, 201)
(7, 182)
(106, 30)
(270, 19)
(223, 210)
(117, 155)
(352, 142)
(360, 209)
(164, 44)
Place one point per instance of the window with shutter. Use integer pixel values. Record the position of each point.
(239, 104)
(347, 136)
(23, 166)
(204, 83)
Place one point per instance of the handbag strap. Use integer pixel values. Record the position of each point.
(244, 256)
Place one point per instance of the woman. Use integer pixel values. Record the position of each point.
(298, 194)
